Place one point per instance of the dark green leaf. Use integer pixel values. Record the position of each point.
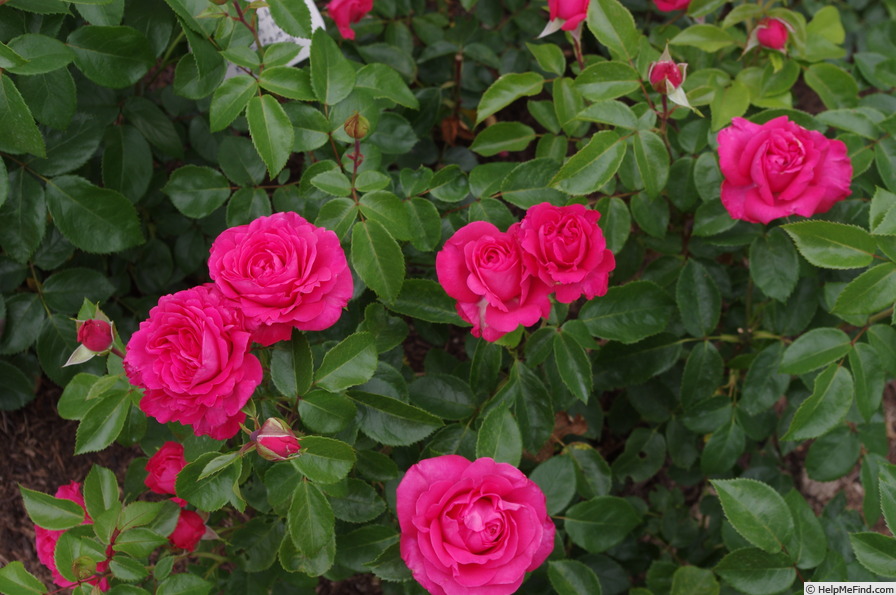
(393, 422)
(127, 162)
(377, 259)
(691, 580)
(613, 26)
(832, 245)
(764, 385)
(426, 300)
(869, 377)
(499, 438)
(42, 54)
(815, 349)
(836, 87)
(20, 132)
(600, 523)
(230, 99)
(113, 57)
(444, 395)
(808, 545)
(628, 313)
(756, 572)
(293, 17)
(288, 82)
(703, 374)
(698, 298)
(607, 80)
(571, 577)
(652, 159)
(774, 265)
(870, 292)
(324, 460)
(827, 406)
(757, 512)
(574, 366)
(23, 218)
(875, 552)
(103, 423)
(196, 190)
(332, 77)
(350, 363)
(292, 366)
(507, 89)
(51, 513)
(554, 477)
(212, 492)
(502, 136)
(593, 166)
(14, 579)
(326, 412)
(271, 131)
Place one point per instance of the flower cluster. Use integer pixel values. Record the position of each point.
(191, 356)
(162, 470)
(47, 539)
(471, 527)
(504, 279)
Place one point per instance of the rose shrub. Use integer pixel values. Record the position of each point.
(420, 301)
(779, 169)
(471, 527)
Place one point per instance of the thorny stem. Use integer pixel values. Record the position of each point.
(357, 159)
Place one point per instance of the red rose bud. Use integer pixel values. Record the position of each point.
(772, 33)
(665, 73)
(275, 440)
(189, 530)
(95, 335)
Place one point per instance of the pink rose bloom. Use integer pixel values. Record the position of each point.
(346, 12)
(482, 268)
(572, 12)
(670, 5)
(275, 440)
(46, 540)
(471, 528)
(189, 530)
(565, 248)
(772, 33)
(282, 272)
(162, 469)
(779, 169)
(191, 357)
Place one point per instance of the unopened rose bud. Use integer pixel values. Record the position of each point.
(275, 440)
(95, 335)
(356, 126)
(772, 33)
(83, 567)
(665, 75)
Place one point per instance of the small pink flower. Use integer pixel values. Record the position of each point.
(189, 530)
(163, 467)
(471, 528)
(282, 273)
(670, 5)
(571, 12)
(779, 168)
(483, 269)
(772, 33)
(95, 335)
(566, 249)
(191, 357)
(275, 440)
(346, 12)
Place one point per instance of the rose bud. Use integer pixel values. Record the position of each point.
(356, 126)
(772, 33)
(275, 440)
(666, 73)
(95, 335)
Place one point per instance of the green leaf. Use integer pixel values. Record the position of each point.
(732, 102)
(757, 512)
(360, 505)
(213, 491)
(882, 214)
(628, 313)
(609, 111)
(127, 162)
(774, 264)
(100, 491)
(196, 190)
(726, 444)
(332, 76)
(155, 125)
(333, 182)
(756, 572)
(549, 56)
(444, 395)
(41, 54)
(271, 131)
(292, 16)
(426, 300)
(503, 136)
(573, 365)
(615, 221)
(593, 166)
(870, 292)
(393, 422)
(499, 438)
(288, 82)
(827, 406)
(184, 584)
(869, 376)
(600, 523)
(350, 363)
(816, 348)
(619, 365)
(324, 460)
(832, 245)
(836, 87)
(607, 80)
(23, 219)
(51, 513)
(884, 156)
(386, 209)
(702, 374)
(527, 184)
(652, 159)
(114, 57)
(709, 38)
(103, 423)
(20, 132)
(613, 26)
(230, 99)
(383, 82)
(16, 580)
(763, 384)
(326, 412)
(530, 402)
(875, 552)
(698, 298)
(377, 259)
(96, 220)
(507, 89)
(690, 580)
(292, 366)
(554, 476)
(571, 577)
(808, 546)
